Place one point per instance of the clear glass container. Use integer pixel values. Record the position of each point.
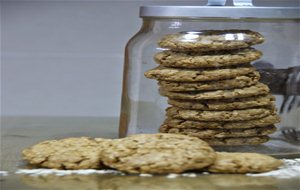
(143, 108)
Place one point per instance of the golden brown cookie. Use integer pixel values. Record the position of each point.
(236, 82)
(219, 133)
(206, 60)
(210, 40)
(158, 153)
(261, 122)
(236, 141)
(70, 153)
(243, 163)
(232, 115)
(192, 75)
(226, 104)
(255, 90)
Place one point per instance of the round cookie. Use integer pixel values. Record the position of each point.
(261, 122)
(243, 163)
(233, 115)
(210, 40)
(219, 133)
(206, 60)
(257, 89)
(236, 82)
(227, 104)
(70, 153)
(158, 153)
(236, 141)
(189, 75)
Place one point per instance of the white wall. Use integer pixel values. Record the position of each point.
(65, 58)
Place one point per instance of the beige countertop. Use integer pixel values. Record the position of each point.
(18, 133)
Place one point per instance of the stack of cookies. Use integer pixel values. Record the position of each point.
(213, 89)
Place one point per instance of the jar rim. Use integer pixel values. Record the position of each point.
(231, 12)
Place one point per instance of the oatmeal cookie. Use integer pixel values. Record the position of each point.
(219, 133)
(70, 153)
(236, 82)
(255, 123)
(158, 153)
(206, 60)
(226, 104)
(210, 40)
(199, 75)
(255, 90)
(243, 163)
(232, 115)
(236, 141)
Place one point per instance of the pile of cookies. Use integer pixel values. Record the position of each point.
(144, 153)
(213, 89)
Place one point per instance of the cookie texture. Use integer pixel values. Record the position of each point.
(233, 115)
(236, 141)
(236, 82)
(243, 163)
(219, 133)
(189, 75)
(70, 153)
(227, 104)
(206, 60)
(257, 89)
(210, 40)
(158, 153)
(255, 123)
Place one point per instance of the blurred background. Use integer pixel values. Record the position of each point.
(65, 57)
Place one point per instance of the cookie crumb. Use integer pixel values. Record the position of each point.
(189, 175)
(146, 175)
(172, 176)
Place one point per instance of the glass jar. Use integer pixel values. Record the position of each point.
(143, 108)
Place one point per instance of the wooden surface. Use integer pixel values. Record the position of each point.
(19, 133)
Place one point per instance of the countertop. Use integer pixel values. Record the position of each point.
(18, 133)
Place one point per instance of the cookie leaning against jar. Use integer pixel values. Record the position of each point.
(210, 40)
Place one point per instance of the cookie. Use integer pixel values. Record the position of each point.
(236, 141)
(243, 163)
(257, 89)
(158, 153)
(206, 60)
(227, 104)
(255, 123)
(236, 82)
(219, 133)
(210, 40)
(233, 115)
(190, 75)
(70, 153)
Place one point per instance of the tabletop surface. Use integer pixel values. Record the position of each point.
(18, 133)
